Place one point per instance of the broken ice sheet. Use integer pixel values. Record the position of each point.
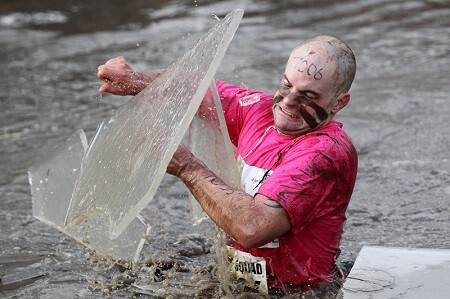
(126, 161)
(210, 142)
(52, 182)
(21, 277)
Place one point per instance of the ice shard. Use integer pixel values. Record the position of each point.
(52, 180)
(210, 142)
(127, 159)
(52, 183)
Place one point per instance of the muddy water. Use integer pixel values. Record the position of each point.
(398, 119)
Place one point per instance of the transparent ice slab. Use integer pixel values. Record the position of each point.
(210, 142)
(129, 155)
(52, 183)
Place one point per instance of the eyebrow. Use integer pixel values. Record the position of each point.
(316, 94)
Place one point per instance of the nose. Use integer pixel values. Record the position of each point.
(294, 99)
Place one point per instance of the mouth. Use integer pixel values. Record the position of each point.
(290, 114)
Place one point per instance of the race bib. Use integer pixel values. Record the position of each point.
(250, 268)
(252, 177)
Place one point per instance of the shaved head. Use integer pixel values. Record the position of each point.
(337, 53)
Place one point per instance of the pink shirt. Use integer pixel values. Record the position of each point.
(311, 176)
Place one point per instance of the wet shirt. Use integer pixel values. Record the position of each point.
(311, 176)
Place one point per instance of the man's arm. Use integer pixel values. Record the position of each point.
(251, 221)
(121, 79)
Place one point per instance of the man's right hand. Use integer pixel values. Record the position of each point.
(120, 78)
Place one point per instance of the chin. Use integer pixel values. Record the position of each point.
(289, 131)
(289, 128)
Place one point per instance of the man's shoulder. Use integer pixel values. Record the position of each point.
(245, 95)
(330, 143)
(332, 134)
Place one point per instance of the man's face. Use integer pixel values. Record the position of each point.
(305, 98)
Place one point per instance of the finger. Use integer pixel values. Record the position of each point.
(101, 73)
(115, 60)
(104, 88)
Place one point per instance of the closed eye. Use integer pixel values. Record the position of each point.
(310, 96)
(286, 81)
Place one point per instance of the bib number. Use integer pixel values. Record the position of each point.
(251, 269)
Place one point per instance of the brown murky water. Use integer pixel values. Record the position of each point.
(398, 119)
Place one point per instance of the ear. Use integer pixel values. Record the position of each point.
(342, 101)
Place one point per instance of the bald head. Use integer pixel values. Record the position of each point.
(334, 53)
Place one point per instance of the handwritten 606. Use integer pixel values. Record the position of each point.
(310, 68)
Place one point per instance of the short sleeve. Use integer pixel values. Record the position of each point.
(237, 105)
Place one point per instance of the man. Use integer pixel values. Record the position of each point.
(298, 165)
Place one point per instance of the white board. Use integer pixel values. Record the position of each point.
(385, 273)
